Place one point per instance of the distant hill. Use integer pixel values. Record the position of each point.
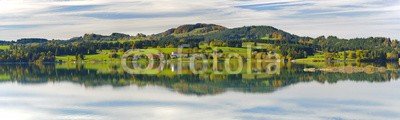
(193, 29)
(201, 32)
(253, 33)
(204, 38)
(3, 42)
(218, 32)
(113, 36)
(31, 40)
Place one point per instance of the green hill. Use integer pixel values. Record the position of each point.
(113, 36)
(201, 32)
(253, 33)
(200, 38)
(193, 29)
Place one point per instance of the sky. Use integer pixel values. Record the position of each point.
(63, 19)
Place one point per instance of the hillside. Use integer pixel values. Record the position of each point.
(193, 29)
(200, 32)
(253, 33)
(206, 32)
(31, 40)
(113, 36)
(203, 38)
(3, 42)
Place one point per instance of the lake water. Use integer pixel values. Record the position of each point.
(107, 91)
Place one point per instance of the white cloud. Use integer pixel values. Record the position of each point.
(62, 19)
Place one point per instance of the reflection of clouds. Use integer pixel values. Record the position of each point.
(324, 103)
(372, 112)
(17, 114)
(74, 111)
(306, 100)
(126, 103)
(272, 110)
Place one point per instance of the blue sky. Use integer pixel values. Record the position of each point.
(63, 19)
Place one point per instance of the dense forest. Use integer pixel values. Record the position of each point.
(203, 37)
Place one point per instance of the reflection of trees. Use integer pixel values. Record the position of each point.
(196, 84)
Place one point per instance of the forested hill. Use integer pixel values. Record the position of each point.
(253, 33)
(193, 29)
(216, 32)
(31, 40)
(204, 38)
(4, 42)
(24, 41)
(197, 32)
(97, 37)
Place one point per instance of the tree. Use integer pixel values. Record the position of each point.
(113, 55)
(79, 57)
(351, 55)
(328, 56)
(392, 55)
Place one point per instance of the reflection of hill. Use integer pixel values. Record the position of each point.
(196, 84)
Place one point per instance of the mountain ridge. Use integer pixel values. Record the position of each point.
(192, 29)
(202, 30)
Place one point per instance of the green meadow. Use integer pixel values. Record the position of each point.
(4, 47)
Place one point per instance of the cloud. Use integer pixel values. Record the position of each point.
(134, 15)
(8, 27)
(28, 26)
(61, 19)
(273, 5)
(74, 8)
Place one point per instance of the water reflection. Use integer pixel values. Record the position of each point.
(106, 91)
(254, 78)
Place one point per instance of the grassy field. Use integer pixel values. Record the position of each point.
(100, 57)
(253, 45)
(104, 55)
(319, 57)
(228, 50)
(4, 77)
(4, 47)
(167, 50)
(65, 58)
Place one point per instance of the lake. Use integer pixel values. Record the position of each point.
(259, 91)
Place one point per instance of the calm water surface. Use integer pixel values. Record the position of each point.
(105, 91)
